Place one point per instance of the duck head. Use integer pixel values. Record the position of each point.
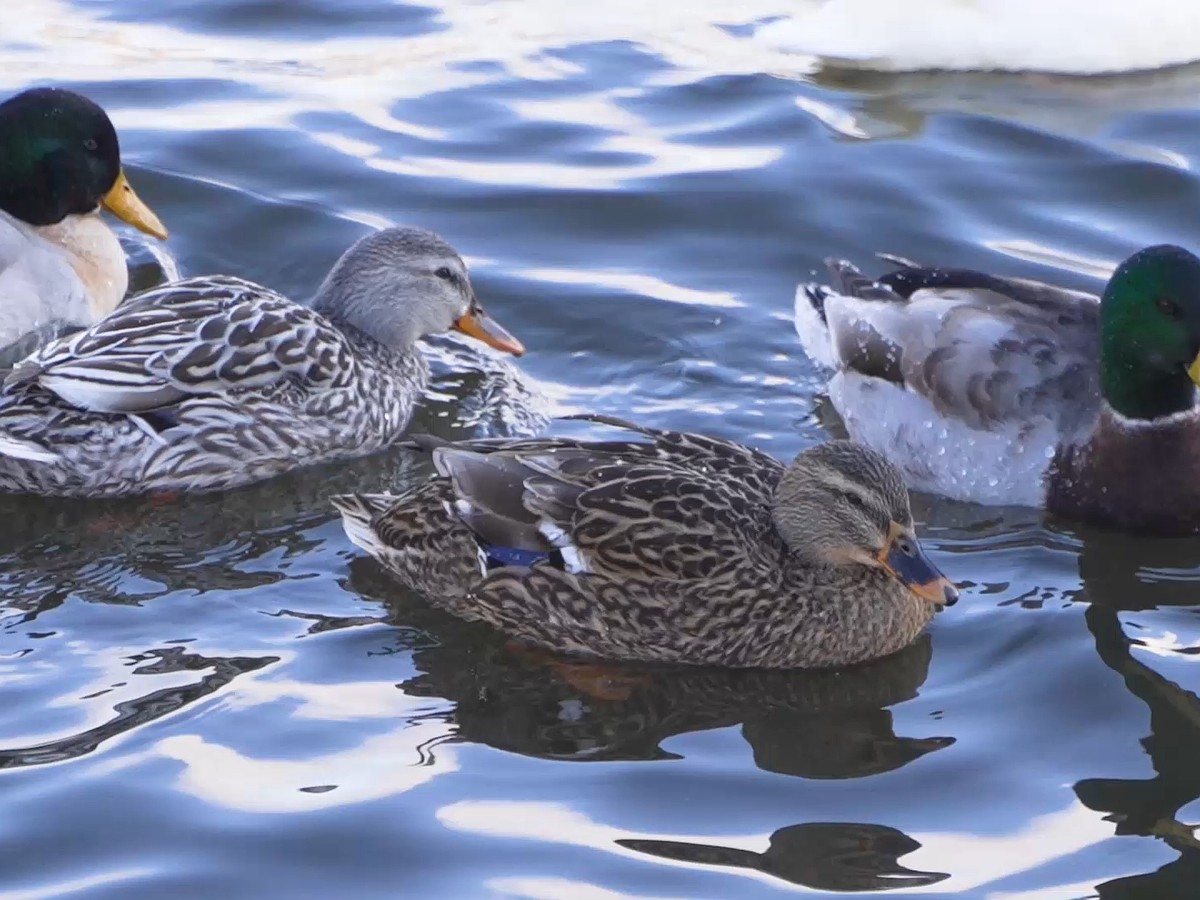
(842, 504)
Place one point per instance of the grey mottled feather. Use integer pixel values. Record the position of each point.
(209, 383)
(983, 349)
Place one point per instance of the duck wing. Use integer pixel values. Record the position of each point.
(209, 335)
(675, 506)
(982, 349)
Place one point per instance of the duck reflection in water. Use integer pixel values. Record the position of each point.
(811, 724)
(1115, 580)
(825, 856)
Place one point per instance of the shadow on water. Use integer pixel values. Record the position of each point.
(814, 725)
(829, 856)
(1144, 575)
(820, 724)
(130, 714)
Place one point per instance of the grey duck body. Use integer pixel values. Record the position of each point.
(215, 382)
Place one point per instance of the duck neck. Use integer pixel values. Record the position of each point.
(342, 302)
(1130, 385)
(365, 342)
(95, 254)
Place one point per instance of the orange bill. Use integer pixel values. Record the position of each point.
(479, 325)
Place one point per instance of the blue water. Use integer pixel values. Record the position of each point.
(221, 697)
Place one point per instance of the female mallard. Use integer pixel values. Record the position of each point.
(60, 264)
(213, 382)
(678, 549)
(1002, 390)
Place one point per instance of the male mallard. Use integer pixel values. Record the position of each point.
(60, 264)
(678, 549)
(1003, 390)
(213, 382)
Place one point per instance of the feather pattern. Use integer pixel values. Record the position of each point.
(663, 548)
(1001, 390)
(968, 381)
(213, 382)
(983, 349)
(195, 337)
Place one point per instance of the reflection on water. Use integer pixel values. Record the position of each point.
(1150, 807)
(219, 696)
(811, 725)
(831, 856)
(129, 714)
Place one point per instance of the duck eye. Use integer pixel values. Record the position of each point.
(854, 500)
(444, 273)
(1168, 307)
(90, 144)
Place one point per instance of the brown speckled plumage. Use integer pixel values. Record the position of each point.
(677, 548)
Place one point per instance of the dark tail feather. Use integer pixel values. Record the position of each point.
(816, 294)
(849, 281)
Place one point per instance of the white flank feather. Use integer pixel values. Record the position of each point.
(26, 450)
(573, 559)
(811, 328)
(1006, 466)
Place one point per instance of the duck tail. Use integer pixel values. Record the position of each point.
(849, 281)
(811, 324)
(359, 512)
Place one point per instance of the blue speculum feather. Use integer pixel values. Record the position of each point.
(512, 556)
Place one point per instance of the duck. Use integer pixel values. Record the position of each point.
(214, 382)
(669, 547)
(1007, 391)
(61, 266)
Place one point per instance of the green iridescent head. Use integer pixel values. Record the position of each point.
(1150, 333)
(59, 156)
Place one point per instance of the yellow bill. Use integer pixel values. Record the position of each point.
(127, 206)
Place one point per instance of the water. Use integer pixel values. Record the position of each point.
(221, 697)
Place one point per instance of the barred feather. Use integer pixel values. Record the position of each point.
(209, 383)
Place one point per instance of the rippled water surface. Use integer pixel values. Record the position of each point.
(220, 697)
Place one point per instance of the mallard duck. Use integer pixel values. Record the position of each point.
(60, 263)
(213, 382)
(678, 548)
(1007, 391)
